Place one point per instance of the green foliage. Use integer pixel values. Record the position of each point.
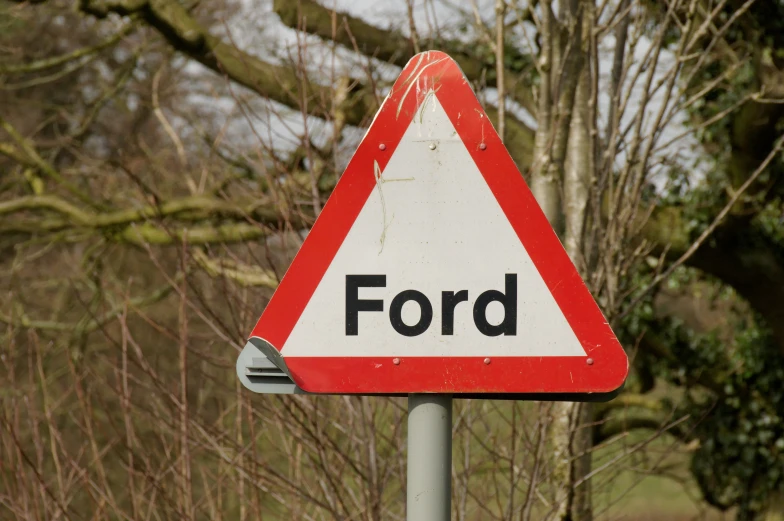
(724, 96)
(771, 221)
(741, 456)
(733, 378)
(672, 351)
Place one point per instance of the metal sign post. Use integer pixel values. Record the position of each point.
(429, 493)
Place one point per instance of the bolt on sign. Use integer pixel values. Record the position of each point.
(432, 269)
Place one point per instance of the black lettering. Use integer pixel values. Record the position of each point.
(396, 308)
(508, 325)
(354, 305)
(450, 300)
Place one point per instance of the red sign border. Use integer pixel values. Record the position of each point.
(602, 370)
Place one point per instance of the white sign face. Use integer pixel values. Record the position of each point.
(432, 267)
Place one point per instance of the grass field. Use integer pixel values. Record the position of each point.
(652, 485)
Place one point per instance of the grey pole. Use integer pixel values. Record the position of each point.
(429, 489)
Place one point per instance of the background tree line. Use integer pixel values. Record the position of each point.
(160, 161)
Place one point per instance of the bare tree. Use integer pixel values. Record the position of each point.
(159, 173)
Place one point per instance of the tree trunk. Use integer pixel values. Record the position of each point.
(564, 155)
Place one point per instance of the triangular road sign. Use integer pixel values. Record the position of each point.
(432, 269)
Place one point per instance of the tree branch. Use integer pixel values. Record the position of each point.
(395, 48)
(615, 427)
(149, 233)
(629, 412)
(93, 324)
(242, 274)
(738, 253)
(279, 83)
(48, 63)
(198, 207)
(710, 230)
(27, 155)
(742, 256)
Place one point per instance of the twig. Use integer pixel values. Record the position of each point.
(708, 231)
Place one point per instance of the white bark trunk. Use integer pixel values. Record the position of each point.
(571, 434)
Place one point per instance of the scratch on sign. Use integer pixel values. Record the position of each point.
(411, 83)
(379, 182)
